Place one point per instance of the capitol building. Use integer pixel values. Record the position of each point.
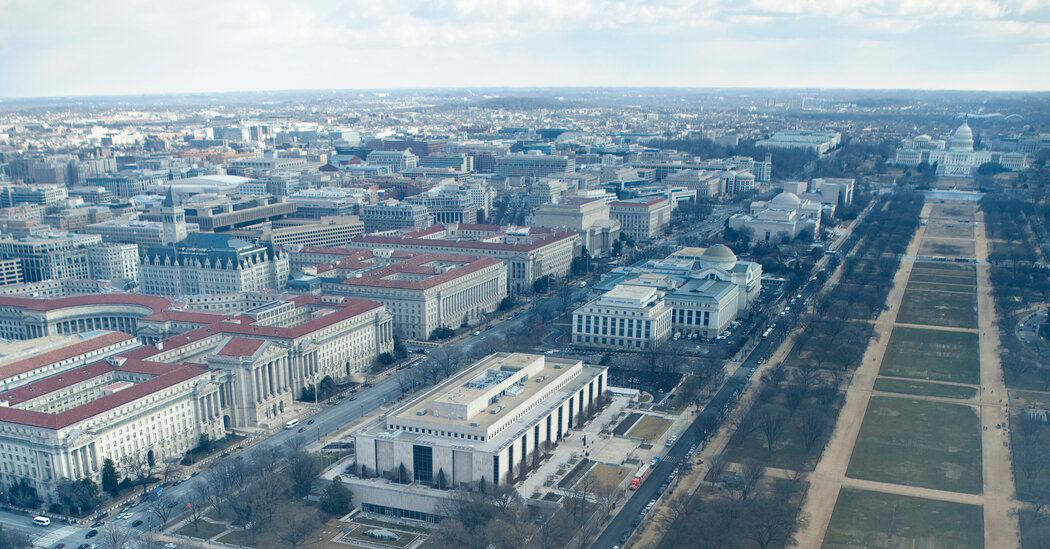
(955, 157)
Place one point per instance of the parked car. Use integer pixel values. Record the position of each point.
(136, 524)
(91, 533)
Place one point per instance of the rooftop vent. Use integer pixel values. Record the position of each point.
(474, 424)
(422, 412)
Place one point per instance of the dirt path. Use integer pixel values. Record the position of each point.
(1000, 524)
(830, 473)
(997, 499)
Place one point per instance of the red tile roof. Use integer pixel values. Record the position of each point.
(543, 238)
(241, 346)
(377, 277)
(33, 362)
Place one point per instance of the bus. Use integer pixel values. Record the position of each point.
(291, 424)
(639, 477)
(41, 521)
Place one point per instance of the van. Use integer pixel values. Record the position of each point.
(291, 424)
(41, 521)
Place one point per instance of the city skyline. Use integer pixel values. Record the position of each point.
(119, 49)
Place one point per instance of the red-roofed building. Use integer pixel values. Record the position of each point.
(232, 371)
(529, 252)
(428, 291)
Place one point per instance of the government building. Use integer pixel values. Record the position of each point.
(97, 381)
(486, 426)
(956, 157)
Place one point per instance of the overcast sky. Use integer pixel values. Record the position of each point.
(82, 47)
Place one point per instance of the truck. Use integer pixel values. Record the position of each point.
(640, 476)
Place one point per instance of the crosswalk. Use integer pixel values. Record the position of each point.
(50, 536)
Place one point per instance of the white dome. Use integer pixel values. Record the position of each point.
(786, 199)
(962, 139)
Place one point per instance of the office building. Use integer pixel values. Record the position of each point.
(206, 263)
(429, 291)
(114, 262)
(529, 252)
(99, 395)
(17, 195)
(625, 317)
(533, 165)
(391, 214)
(395, 160)
(50, 256)
(588, 216)
(819, 142)
(485, 426)
(446, 206)
(11, 272)
(642, 218)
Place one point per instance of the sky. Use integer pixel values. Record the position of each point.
(116, 47)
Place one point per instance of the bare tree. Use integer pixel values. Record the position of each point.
(751, 473)
(163, 508)
(171, 465)
(716, 467)
(117, 537)
(137, 466)
(767, 522)
(772, 419)
(298, 525)
(196, 509)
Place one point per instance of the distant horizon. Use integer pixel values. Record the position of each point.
(800, 89)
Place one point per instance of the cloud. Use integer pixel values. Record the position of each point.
(131, 46)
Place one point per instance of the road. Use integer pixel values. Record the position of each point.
(694, 434)
(328, 420)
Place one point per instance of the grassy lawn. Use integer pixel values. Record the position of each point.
(951, 309)
(932, 354)
(941, 287)
(919, 443)
(923, 388)
(649, 428)
(205, 530)
(879, 520)
(627, 423)
(608, 475)
(933, 246)
(946, 229)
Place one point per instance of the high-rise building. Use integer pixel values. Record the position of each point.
(114, 261)
(391, 214)
(533, 165)
(51, 256)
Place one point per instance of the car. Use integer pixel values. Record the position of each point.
(353, 398)
(84, 546)
(60, 546)
(650, 504)
(172, 504)
(128, 515)
(136, 524)
(195, 473)
(310, 422)
(477, 333)
(625, 535)
(98, 524)
(91, 533)
(301, 429)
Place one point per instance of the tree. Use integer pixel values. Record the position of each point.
(118, 537)
(507, 303)
(813, 427)
(162, 508)
(196, 510)
(541, 284)
(298, 524)
(386, 358)
(441, 332)
(337, 498)
(768, 521)
(772, 419)
(137, 466)
(110, 477)
(23, 494)
(79, 496)
(751, 473)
